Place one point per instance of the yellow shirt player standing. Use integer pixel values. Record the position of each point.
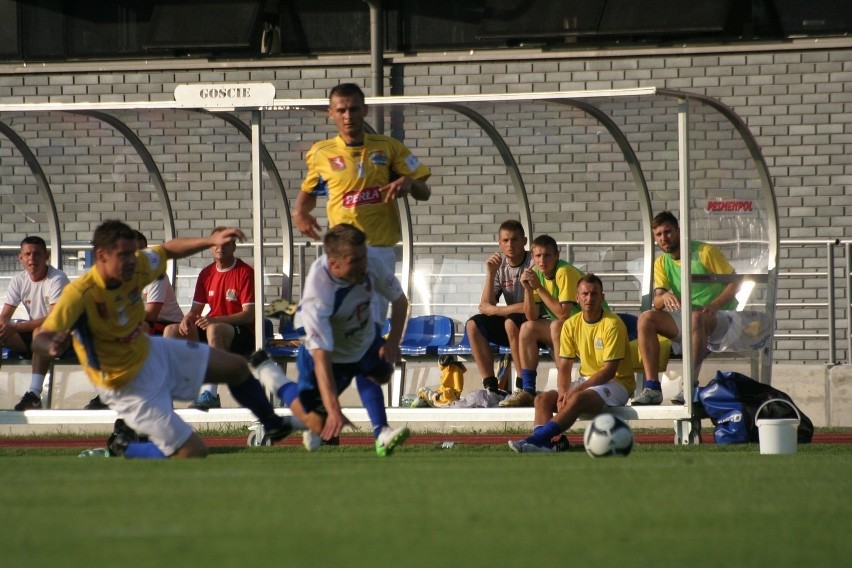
(361, 174)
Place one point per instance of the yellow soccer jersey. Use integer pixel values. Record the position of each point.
(596, 343)
(352, 177)
(563, 286)
(705, 259)
(106, 324)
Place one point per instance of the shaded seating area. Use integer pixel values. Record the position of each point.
(604, 152)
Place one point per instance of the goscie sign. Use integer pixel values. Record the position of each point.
(225, 95)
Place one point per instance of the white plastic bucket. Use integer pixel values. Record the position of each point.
(778, 435)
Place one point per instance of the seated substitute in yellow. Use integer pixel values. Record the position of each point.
(599, 339)
(711, 304)
(550, 290)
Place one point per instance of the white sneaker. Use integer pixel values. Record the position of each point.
(390, 438)
(648, 397)
(311, 441)
(524, 447)
(518, 398)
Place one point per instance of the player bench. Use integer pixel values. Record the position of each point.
(436, 340)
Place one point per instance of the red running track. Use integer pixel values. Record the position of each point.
(362, 440)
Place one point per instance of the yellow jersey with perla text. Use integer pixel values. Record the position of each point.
(106, 324)
(352, 178)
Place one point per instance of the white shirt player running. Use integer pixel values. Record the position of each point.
(336, 316)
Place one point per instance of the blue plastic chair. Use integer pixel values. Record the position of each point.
(287, 333)
(282, 351)
(463, 347)
(630, 321)
(425, 334)
(10, 355)
(460, 348)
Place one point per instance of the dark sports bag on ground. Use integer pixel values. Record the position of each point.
(731, 401)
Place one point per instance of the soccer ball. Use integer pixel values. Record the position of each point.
(608, 435)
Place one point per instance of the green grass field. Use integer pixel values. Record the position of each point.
(426, 506)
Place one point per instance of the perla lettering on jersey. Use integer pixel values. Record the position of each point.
(368, 196)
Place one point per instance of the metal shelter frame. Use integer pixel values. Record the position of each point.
(587, 102)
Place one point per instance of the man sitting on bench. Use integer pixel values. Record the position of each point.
(599, 339)
(665, 316)
(37, 287)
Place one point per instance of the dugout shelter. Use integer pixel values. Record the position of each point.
(589, 168)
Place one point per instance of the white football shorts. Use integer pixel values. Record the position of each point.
(612, 392)
(174, 370)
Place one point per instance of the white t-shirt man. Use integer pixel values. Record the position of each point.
(36, 297)
(160, 291)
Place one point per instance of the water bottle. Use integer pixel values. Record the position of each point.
(95, 453)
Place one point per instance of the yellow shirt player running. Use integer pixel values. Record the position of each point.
(110, 340)
(137, 375)
(599, 338)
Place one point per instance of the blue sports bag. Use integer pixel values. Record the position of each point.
(731, 401)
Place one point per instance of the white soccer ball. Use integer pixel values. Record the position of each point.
(608, 435)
